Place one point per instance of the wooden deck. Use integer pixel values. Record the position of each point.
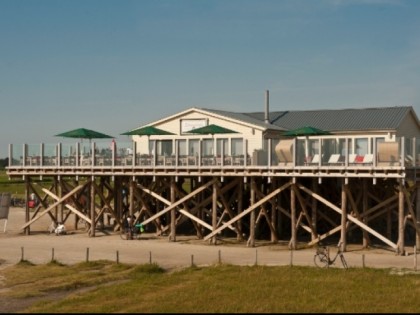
(296, 198)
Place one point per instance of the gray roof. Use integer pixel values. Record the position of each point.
(379, 118)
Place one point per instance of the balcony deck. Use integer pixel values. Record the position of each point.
(334, 157)
(196, 166)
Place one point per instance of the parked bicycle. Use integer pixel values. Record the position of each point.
(131, 230)
(18, 202)
(322, 258)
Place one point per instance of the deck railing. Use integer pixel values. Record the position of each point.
(298, 152)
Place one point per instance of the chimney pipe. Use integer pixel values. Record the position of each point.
(266, 119)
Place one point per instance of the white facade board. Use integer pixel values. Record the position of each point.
(180, 125)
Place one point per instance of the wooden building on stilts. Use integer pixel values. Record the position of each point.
(298, 176)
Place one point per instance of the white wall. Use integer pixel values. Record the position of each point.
(253, 135)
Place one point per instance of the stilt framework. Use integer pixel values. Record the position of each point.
(303, 211)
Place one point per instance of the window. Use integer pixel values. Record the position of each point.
(237, 146)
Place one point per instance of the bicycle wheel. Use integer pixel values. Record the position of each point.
(321, 260)
(343, 261)
(124, 234)
(136, 236)
(124, 227)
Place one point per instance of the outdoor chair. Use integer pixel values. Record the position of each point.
(352, 158)
(334, 159)
(388, 153)
(315, 160)
(368, 159)
(284, 151)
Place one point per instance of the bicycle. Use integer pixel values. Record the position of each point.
(132, 233)
(130, 230)
(322, 258)
(18, 202)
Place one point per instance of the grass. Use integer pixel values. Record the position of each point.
(16, 187)
(108, 287)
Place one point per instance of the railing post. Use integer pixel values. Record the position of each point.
(245, 145)
(41, 149)
(134, 153)
(10, 154)
(200, 147)
(24, 153)
(113, 155)
(77, 154)
(177, 155)
(59, 154)
(346, 158)
(402, 153)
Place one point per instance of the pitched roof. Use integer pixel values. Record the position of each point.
(379, 118)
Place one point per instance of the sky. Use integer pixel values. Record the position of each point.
(115, 65)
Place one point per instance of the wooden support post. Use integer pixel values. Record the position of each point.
(173, 211)
(27, 214)
(274, 236)
(214, 212)
(292, 243)
(400, 243)
(314, 209)
(365, 209)
(240, 207)
(92, 208)
(131, 195)
(118, 202)
(418, 213)
(343, 237)
(251, 239)
(60, 207)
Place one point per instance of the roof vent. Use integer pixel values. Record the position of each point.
(266, 119)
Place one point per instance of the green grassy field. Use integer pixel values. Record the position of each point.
(16, 186)
(108, 287)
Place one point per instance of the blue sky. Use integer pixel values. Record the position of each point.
(113, 65)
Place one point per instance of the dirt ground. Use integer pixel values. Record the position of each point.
(41, 246)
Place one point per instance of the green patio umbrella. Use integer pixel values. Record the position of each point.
(147, 131)
(83, 133)
(211, 130)
(306, 131)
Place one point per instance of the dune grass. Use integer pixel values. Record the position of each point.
(108, 287)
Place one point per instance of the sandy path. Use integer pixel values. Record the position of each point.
(41, 247)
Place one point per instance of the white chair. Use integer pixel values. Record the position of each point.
(352, 158)
(315, 159)
(334, 159)
(409, 160)
(368, 159)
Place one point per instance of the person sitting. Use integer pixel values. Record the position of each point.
(60, 229)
